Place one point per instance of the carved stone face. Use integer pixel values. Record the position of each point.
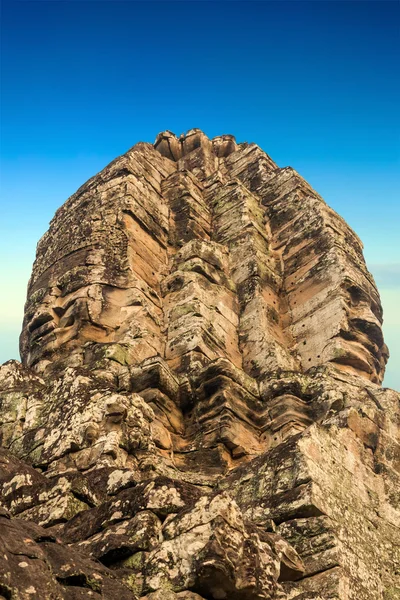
(57, 318)
(99, 313)
(58, 323)
(168, 253)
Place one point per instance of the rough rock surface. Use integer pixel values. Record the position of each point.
(198, 413)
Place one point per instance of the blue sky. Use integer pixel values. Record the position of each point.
(315, 84)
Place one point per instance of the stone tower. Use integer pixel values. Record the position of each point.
(198, 413)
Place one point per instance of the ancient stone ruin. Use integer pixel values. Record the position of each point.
(199, 413)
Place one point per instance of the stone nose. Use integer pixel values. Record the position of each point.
(39, 319)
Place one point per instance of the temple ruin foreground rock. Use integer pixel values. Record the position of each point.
(198, 414)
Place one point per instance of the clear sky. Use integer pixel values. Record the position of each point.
(315, 84)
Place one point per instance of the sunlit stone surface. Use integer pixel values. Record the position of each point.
(199, 404)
